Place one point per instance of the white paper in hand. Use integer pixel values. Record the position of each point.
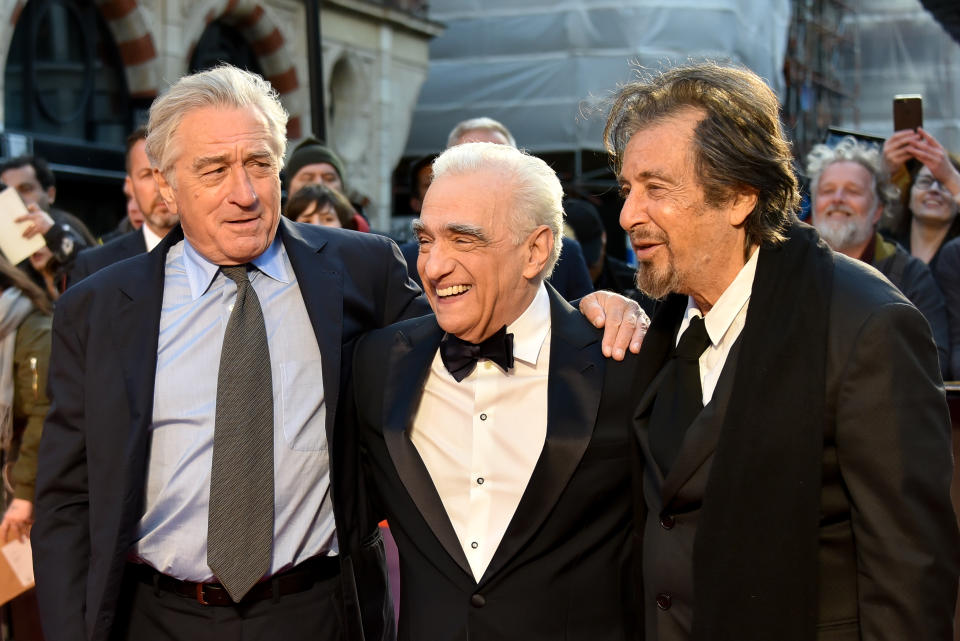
(20, 557)
(12, 243)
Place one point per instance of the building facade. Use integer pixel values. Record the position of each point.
(80, 74)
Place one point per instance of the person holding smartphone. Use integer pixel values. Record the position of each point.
(931, 192)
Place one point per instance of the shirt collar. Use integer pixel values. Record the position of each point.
(149, 238)
(728, 306)
(530, 329)
(201, 272)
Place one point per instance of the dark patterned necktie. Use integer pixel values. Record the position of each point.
(240, 525)
(460, 356)
(680, 397)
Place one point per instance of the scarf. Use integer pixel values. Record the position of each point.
(14, 307)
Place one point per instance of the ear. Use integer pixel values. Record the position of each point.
(877, 215)
(742, 205)
(166, 191)
(52, 193)
(539, 247)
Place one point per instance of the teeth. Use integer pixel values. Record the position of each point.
(452, 290)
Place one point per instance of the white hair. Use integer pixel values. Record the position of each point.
(223, 87)
(480, 124)
(534, 186)
(868, 156)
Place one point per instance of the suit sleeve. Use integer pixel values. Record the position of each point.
(80, 269)
(60, 536)
(893, 443)
(921, 289)
(402, 297)
(948, 277)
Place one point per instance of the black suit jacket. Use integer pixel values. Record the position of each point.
(96, 258)
(561, 570)
(570, 276)
(94, 452)
(884, 562)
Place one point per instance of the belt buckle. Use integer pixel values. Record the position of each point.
(200, 599)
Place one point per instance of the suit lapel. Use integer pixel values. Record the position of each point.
(412, 353)
(573, 398)
(136, 330)
(321, 286)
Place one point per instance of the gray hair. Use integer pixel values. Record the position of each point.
(480, 124)
(868, 156)
(738, 144)
(536, 190)
(223, 87)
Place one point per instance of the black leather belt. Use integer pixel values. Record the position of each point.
(297, 579)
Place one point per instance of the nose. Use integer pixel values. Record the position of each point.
(242, 191)
(633, 212)
(433, 262)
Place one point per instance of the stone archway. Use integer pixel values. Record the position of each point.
(254, 21)
(127, 22)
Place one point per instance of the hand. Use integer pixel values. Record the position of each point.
(896, 149)
(931, 153)
(17, 520)
(622, 320)
(40, 221)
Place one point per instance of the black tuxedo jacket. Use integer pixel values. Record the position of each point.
(94, 453)
(561, 570)
(96, 258)
(875, 435)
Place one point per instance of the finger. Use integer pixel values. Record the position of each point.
(639, 332)
(626, 336)
(591, 308)
(611, 332)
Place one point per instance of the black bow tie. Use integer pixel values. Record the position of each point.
(460, 356)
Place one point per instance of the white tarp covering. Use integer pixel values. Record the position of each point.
(532, 64)
(904, 50)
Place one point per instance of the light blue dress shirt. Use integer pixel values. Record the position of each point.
(197, 301)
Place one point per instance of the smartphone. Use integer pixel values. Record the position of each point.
(907, 111)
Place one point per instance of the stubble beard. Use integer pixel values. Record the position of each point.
(656, 282)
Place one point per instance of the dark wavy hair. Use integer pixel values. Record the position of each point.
(322, 196)
(739, 143)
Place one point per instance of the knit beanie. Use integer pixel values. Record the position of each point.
(311, 151)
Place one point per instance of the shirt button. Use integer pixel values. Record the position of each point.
(480, 481)
(664, 600)
(667, 522)
(483, 417)
(478, 601)
(474, 545)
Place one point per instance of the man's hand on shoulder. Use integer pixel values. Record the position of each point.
(624, 323)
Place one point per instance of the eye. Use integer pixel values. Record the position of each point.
(624, 191)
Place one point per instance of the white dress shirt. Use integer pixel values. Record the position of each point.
(724, 322)
(149, 238)
(480, 439)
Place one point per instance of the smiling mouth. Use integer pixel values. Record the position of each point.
(453, 290)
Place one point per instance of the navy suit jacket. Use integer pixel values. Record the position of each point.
(94, 452)
(96, 258)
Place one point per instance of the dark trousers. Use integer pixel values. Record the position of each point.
(146, 613)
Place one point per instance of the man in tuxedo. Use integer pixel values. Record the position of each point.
(794, 440)
(497, 442)
(179, 495)
(570, 277)
(158, 220)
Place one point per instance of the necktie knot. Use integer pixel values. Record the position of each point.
(694, 340)
(236, 273)
(460, 357)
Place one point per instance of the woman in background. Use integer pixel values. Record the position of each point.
(319, 205)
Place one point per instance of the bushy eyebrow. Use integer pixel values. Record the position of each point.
(648, 175)
(465, 229)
